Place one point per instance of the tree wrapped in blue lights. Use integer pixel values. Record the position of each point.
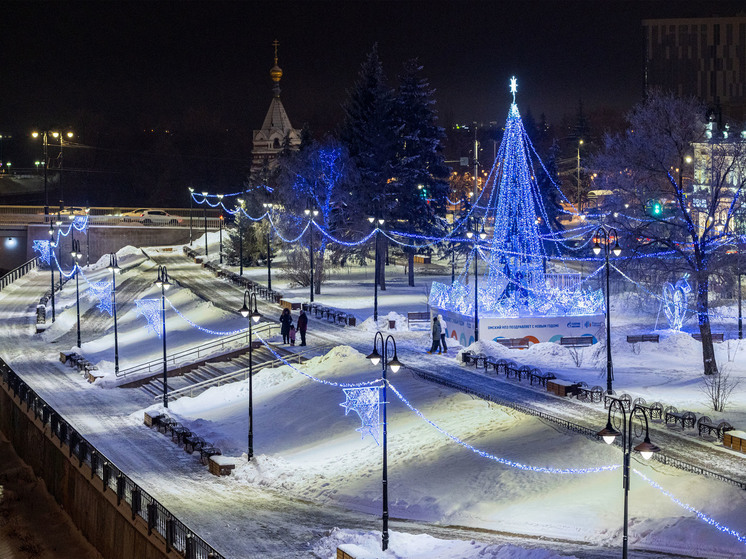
(515, 279)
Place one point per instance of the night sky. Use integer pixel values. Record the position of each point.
(145, 64)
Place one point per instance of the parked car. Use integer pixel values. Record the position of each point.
(71, 211)
(148, 216)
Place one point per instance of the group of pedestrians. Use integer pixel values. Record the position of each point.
(439, 335)
(288, 329)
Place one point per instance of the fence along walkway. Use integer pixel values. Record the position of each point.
(18, 273)
(178, 536)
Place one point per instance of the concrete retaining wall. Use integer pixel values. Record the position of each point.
(107, 526)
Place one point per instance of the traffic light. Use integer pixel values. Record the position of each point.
(655, 207)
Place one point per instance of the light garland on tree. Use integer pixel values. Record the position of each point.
(674, 302)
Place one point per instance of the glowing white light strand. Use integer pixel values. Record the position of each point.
(205, 330)
(504, 461)
(702, 516)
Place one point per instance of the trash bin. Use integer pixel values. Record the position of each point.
(392, 324)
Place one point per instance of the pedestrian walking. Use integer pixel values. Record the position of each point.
(302, 326)
(291, 335)
(436, 335)
(443, 333)
(286, 321)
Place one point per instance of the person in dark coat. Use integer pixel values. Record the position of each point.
(286, 321)
(302, 326)
(436, 335)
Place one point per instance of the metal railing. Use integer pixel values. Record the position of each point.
(192, 354)
(240, 374)
(178, 536)
(18, 273)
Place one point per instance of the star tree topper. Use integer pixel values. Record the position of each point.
(366, 402)
(513, 87)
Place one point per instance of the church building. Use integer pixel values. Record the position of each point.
(276, 129)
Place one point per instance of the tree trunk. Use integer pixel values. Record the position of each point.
(318, 272)
(703, 317)
(410, 260)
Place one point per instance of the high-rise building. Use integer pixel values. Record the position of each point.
(276, 131)
(703, 57)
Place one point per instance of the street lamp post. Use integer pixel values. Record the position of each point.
(645, 448)
(604, 235)
(163, 282)
(269, 208)
(240, 236)
(308, 211)
(205, 219)
(376, 268)
(191, 211)
(46, 160)
(254, 316)
(52, 244)
(482, 235)
(221, 238)
(580, 143)
(59, 166)
(395, 365)
(114, 267)
(76, 254)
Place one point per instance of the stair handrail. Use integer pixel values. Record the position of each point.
(242, 372)
(148, 366)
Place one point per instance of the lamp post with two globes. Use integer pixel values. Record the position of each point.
(473, 226)
(602, 241)
(645, 448)
(164, 283)
(76, 254)
(377, 221)
(383, 358)
(311, 211)
(115, 269)
(253, 315)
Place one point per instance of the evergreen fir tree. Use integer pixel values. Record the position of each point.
(370, 136)
(419, 175)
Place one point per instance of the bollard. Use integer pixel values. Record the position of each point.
(106, 475)
(120, 489)
(136, 501)
(94, 463)
(169, 534)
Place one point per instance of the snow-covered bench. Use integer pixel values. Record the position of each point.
(417, 317)
(636, 339)
(576, 341)
(704, 423)
(513, 343)
(717, 337)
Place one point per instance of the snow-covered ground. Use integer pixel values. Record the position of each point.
(308, 451)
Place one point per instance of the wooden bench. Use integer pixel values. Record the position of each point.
(541, 378)
(208, 451)
(513, 343)
(735, 440)
(624, 399)
(655, 338)
(417, 317)
(717, 337)
(686, 418)
(219, 465)
(420, 259)
(192, 442)
(704, 423)
(576, 341)
(179, 433)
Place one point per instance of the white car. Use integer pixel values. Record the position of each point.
(148, 216)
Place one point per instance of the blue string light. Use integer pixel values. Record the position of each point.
(206, 330)
(712, 522)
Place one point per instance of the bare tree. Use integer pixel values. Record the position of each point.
(718, 388)
(662, 206)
